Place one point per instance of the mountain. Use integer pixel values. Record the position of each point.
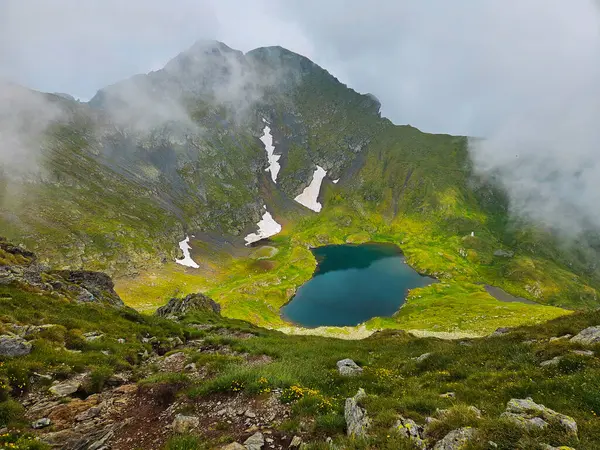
(200, 189)
(114, 184)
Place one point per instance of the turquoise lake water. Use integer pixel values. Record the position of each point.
(353, 283)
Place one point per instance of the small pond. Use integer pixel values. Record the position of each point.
(352, 284)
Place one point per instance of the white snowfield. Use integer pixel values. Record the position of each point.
(310, 194)
(187, 258)
(267, 227)
(267, 140)
(336, 181)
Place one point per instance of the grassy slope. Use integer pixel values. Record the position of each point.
(484, 373)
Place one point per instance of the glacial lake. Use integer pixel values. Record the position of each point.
(352, 284)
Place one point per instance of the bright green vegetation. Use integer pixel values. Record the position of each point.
(62, 350)
(484, 373)
(118, 198)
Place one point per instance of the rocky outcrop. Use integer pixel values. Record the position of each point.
(19, 267)
(348, 368)
(527, 414)
(12, 346)
(193, 302)
(456, 439)
(589, 336)
(357, 421)
(94, 286)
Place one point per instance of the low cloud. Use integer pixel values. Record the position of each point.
(25, 116)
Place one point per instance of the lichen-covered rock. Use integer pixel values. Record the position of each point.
(423, 357)
(66, 388)
(357, 421)
(527, 414)
(347, 367)
(184, 424)
(589, 336)
(409, 429)
(551, 362)
(233, 446)
(193, 302)
(456, 439)
(12, 346)
(255, 442)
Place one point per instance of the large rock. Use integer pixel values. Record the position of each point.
(456, 439)
(357, 421)
(183, 424)
(193, 302)
(589, 336)
(409, 429)
(92, 286)
(525, 413)
(255, 442)
(348, 368)
(12, 346)
(66, 388)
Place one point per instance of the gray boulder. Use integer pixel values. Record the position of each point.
(408, 429)
(255, 442)
(357, 421)
(348, 368)
(41, 423)
(589, 336)
(12, 346)
(525, 413)
(233, 446)
(183, 424)
(193, 302)
(456, 439)
(551, 362)
(423, 357)
(504, 253)
(66, 388)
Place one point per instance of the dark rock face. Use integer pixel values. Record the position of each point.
(96, 286)
(193, 302)
(15, 251)
(19, 267)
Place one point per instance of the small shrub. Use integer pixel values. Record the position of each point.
(330, 424)
(10, 411)
(184, 442)
(97, 378)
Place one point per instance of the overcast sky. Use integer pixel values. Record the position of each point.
(457, 67)
(524, 74)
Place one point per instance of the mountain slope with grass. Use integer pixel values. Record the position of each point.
(117, 182)
(82, 372)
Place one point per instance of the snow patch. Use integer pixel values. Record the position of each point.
(187, 258)
(267, 140)
(336, 181)
(267, 227)
(310, 194)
